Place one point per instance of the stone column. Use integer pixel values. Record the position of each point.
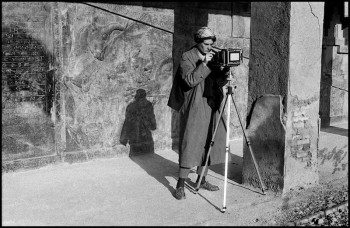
(285, 60)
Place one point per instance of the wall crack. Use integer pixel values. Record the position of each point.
(318, 21)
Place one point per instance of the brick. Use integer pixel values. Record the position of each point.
(306, 159)
(299, 113)
(301, 154)
(299, 124)
(300, 118)
(306, 147)
(303, 141)
(295, 148)
(296, 137)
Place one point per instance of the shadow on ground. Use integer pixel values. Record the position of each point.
(158, 167)
(234, 169)
(336, 130)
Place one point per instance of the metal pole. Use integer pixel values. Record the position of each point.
(229, 93)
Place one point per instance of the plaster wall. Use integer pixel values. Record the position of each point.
(302, 124)
(27, 81)
(112, 62)
(112, 75)
(286, 44)
(134, 57)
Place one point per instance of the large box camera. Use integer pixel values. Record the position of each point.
(227, 57)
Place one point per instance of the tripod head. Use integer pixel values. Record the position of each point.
(230, 76)
(229, 84)
(225, 67)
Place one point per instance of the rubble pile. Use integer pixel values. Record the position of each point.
(337, 218)
(326, 206)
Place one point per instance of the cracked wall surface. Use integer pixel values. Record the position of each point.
(303, 95)
(112, 75)
(27, 82)
(110, 59)
(286, 44)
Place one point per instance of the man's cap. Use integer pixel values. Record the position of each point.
(204, 33)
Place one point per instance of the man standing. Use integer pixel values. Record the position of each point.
(197, 94)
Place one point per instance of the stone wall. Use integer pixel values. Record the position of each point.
(135, 57)
(286, 41)
(302, 125)
(111, 74)
(88, 80)
(27, 81)
(112, 58)
(268, 75)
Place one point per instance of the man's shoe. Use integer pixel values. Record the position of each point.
(210, 187)
(180, 193)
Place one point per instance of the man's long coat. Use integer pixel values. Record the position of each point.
(197, 119)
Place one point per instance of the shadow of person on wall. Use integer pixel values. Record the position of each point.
(137, 130)
(139, 122)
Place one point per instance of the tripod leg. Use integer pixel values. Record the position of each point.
(211, 144)
(227, 151)
(250, 149)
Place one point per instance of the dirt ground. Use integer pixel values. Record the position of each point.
(123, 191)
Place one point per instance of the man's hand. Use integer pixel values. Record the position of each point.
(208, 57)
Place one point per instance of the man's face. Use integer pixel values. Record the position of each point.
(205, 46)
